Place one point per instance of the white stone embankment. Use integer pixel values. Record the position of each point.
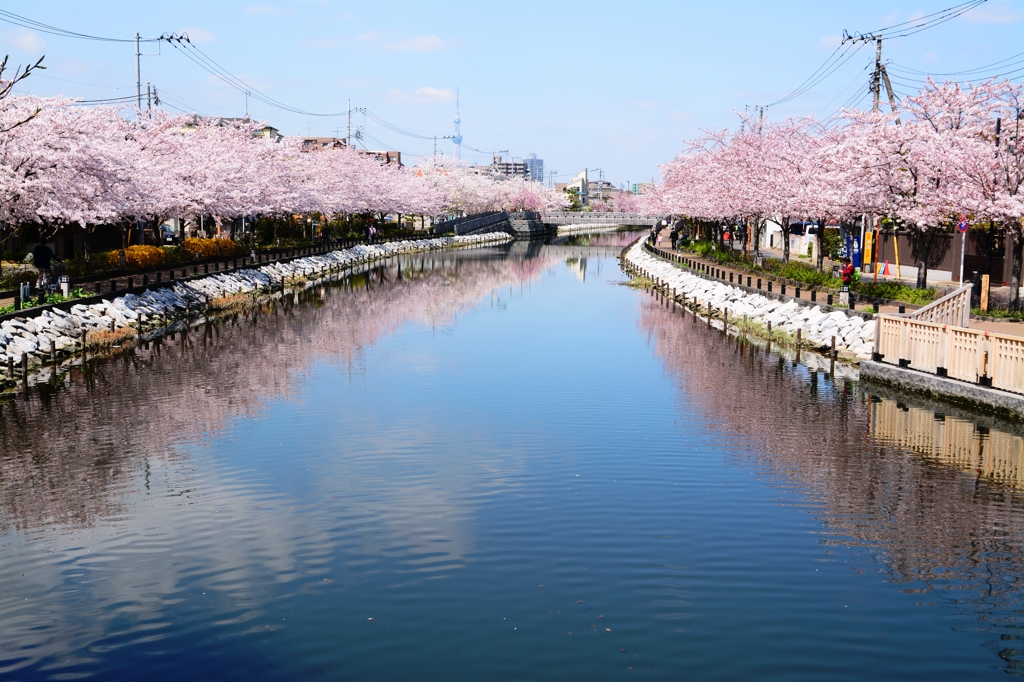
(854, 335)
(34, 337)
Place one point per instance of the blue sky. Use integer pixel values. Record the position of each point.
(616, 86)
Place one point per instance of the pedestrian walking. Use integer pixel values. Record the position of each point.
(42, 258)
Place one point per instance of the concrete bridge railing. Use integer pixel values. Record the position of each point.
(474, 223)
(602, 218)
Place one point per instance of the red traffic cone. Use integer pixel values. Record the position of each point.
(886, 270)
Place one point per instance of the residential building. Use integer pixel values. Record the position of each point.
(581, 184)
(510, 169)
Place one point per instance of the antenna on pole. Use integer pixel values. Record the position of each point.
(138, 72)
(457, 139)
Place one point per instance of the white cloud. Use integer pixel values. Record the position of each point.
(199, 35)
(267, 10)
(417, 44)
(831, 42)
(27, 40)
(930, 57)
(995, 12)
(424, 94)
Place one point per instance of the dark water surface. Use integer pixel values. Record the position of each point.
(499, 464)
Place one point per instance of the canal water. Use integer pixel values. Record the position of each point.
(498, 464)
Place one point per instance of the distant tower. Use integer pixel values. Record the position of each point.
(457, 139)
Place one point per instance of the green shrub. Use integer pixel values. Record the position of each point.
(895, 291)
(802, 272)
(999, 313)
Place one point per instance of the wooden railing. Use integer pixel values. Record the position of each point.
(952, 309)
(984, 358)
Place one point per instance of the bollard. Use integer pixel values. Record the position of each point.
(769, 286)
(206, 268)
(758, 282)
(17, 302)
(113, 285)
(748, 281)
(24, 366)
(130, 282)
(731, 274)
(10, 366)
(903, 309)
(830, 299)
(833, 347)
(783, 289)
(159, 277)
(799, 335)
(145, 280)
(814, 295)
(798, 292)
(84, 336)
(53, 352)
(769, 330)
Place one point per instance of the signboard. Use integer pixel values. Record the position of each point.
(962, 225)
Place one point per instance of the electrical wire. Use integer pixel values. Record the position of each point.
(966, 72)
(908, 28)
(842, 92)
(810, 81)
(25, 22)
(184, 46)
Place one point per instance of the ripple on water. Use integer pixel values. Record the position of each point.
(499, 464)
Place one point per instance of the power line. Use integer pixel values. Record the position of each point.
(808, 85)
(966, 72)
(184, 45)
(900, 30)
(25, 22)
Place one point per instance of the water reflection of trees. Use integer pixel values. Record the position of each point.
(946, 520)
(67, 453)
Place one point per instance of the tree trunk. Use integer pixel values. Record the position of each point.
(785, 239)
(87, 245)
(924, 242)
(820, 245)
(1017, 250)
(758, 227)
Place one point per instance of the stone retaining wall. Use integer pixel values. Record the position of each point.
(51, 334)
(854, 336)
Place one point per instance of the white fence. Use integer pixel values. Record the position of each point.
(984, 358)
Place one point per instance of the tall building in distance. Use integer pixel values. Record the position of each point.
(536, 167)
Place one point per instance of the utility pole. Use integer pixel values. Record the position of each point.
(247, 104)
(348, 135)
(138, 72)
(149, 97)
